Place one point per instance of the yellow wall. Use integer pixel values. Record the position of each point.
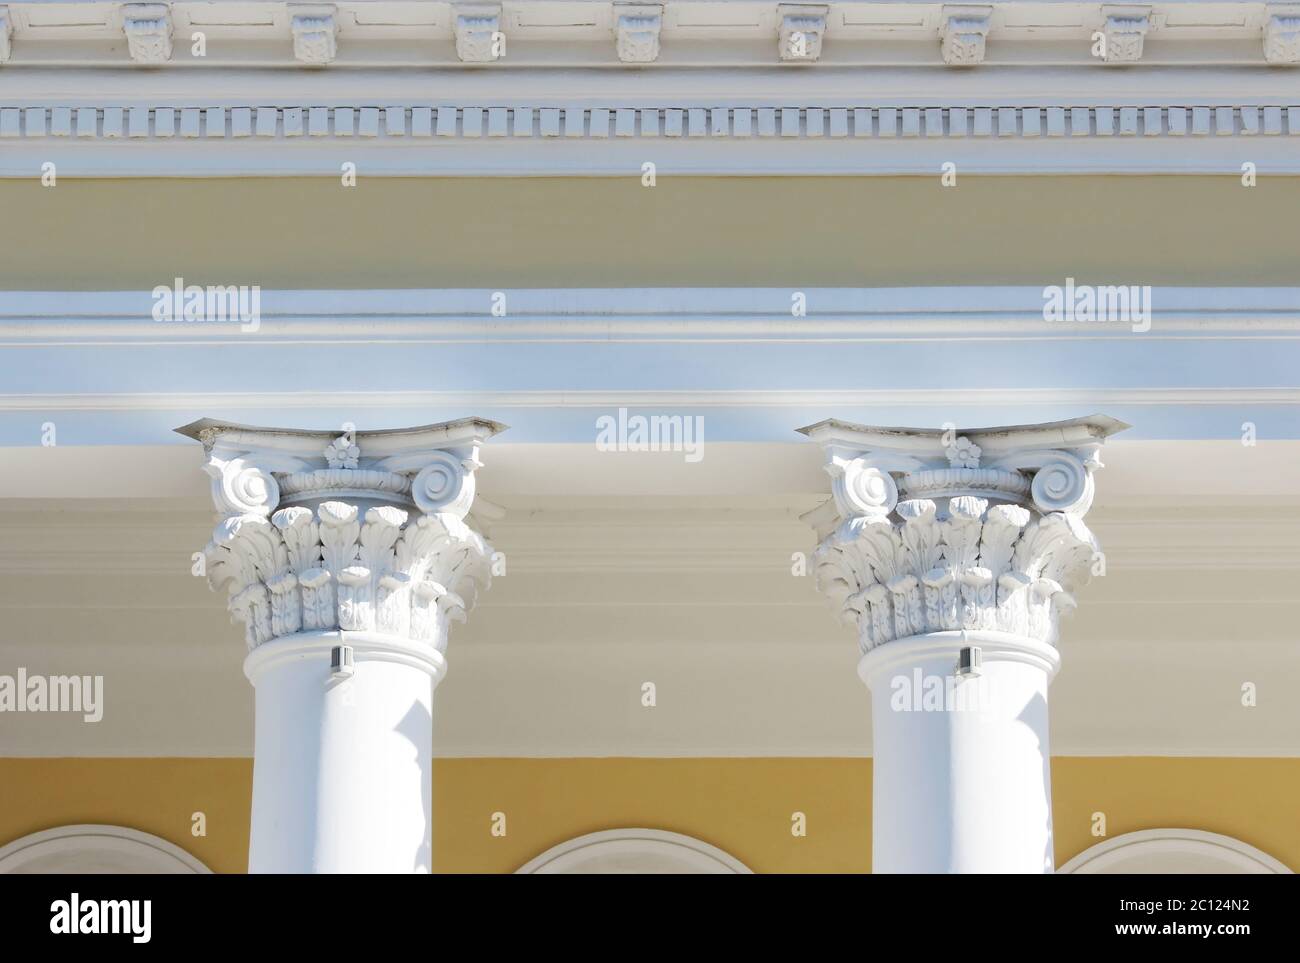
(740, 805)
(710, 232)
(154, 796)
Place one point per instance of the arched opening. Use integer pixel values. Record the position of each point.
(649, 851)
(1173, 851)
(96, 849)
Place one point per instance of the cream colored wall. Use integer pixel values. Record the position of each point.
(740, 805)
(501, 233)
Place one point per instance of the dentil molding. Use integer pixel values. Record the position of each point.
(594, 87)
(169, 137)
(401, 123)
(357, 531)
(946, 530)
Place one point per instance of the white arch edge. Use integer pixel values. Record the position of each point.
(1193, 841)
(696, 853)
(154, 851)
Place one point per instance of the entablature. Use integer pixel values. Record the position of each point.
(588, 88)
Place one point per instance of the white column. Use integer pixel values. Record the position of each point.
(346, 559)
(960, 784)
(943, 543)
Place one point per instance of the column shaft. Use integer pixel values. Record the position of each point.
(961, 779)
(343, 766)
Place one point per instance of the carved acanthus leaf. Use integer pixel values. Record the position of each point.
(333, 569)
(973, 567)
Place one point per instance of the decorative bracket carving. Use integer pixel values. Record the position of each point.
(720, 46)
(315, 32)
(6, 32)
(1282, 35)
(478, 33)
(961, 38)
(802, 27)
(637, 32)
(1126, 27)
(148, 28)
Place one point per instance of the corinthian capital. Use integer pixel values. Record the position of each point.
(355, 531)
(942, 530)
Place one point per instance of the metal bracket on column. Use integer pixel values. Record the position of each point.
(341, 666)
(968, 661)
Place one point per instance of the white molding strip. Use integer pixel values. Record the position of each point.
(666, 315)
(845, 748)
(712, 93)
(87, 139)
(951, 399)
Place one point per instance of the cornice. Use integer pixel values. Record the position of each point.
(665, 34)
(579, 87)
